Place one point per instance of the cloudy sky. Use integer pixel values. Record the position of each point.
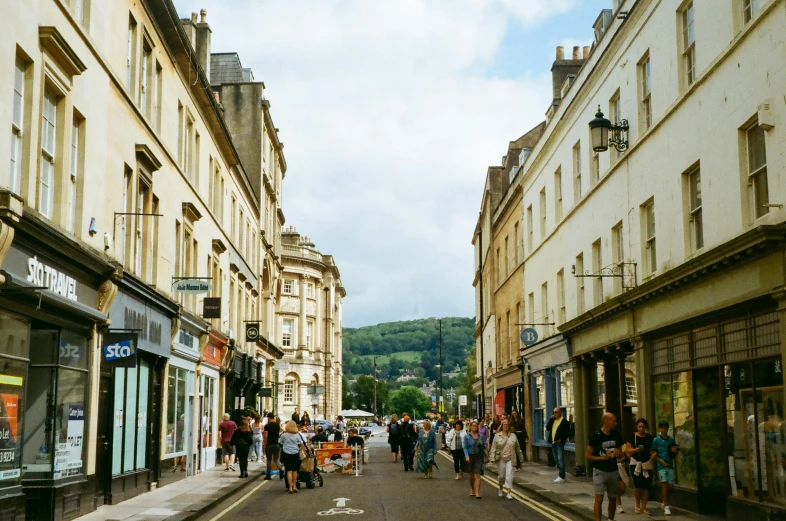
(390, 112)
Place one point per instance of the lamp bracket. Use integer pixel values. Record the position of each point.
(620, 270)
(618, 135)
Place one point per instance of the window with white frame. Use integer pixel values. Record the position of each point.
(688, 44)
(286, 332)
(539, 408)
(594, 167)
(510, 343)
(561, 297)
(517, 243)
(74, 172)
(310, 290)
(758, 191)
(530, 233)
(508, 267)
(288, 286)
(694, 208)
(289, 391)
(544, 306)
(309, 334)
(580, 302)
(577, 173)
(558, 195)
(130, 52)
(617, 255)
(543, 214)
(615, 114)
(144, 78)
(17, 126)
(597, 266)
(751, 8)
(48, 151)
(531, 308)
(645, 93)
(650, 252)
(566, 389)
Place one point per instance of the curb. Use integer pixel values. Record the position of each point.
(212, 502)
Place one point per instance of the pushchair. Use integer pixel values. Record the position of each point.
(309, 471)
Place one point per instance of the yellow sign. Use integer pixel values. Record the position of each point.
(11, 380)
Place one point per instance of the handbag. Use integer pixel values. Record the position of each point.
(302, 451)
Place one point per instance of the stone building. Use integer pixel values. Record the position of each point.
(129, 195)
(661, 260)
(309, 319)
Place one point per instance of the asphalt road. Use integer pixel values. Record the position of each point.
(383, 492)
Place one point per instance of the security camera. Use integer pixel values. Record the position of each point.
(93, 229)
(107, 241)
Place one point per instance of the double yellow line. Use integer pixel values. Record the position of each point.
(540, 508)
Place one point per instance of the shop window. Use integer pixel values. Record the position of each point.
(56, 404)
(208, 411)
(539, 408)
(130, 422)
(674, 403)
(13, 371)
(177, 389)
(566, 392)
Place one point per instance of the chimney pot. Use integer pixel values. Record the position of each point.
(203, 16)
(560, 53)
(193, 18)
(576, 55)
(586, 52)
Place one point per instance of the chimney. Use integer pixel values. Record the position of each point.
(189, 26)
(560, 53)
(562, 69)
(576, 55)
(586, 52)
(203, 33)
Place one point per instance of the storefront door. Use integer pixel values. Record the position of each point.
(104, 440)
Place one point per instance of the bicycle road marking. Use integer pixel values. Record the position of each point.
(230, 507)
(334, 511)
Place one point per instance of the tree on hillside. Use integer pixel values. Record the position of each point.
(364, 394)
(469, 379)
(411, 400)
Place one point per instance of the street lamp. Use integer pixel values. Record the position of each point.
(600, 128)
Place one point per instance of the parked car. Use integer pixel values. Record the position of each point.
(326, 425)
(365, 431)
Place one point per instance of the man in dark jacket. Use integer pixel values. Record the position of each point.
(408, 438)
(558, 431)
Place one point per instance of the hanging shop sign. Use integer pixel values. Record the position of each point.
(211, 307)
(529, 336)
(463, 399)
(154, 327)
(119, 349)
(252, 331)
(192, 286)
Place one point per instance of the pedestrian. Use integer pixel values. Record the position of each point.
(603, 450)
(271, 434)
(474, 453)
(242, 440)
(642, 465)
(455, 441)
(226, 429)
(666, 451)
(506, 445)
(340, 428)
(558, 431)
(319, 437)
(519, 427)
(494, 427)
(407, 439)
(296, 417)
(426, 450)
(393, 440)
(290, 441)
(256, 431)
(305, 421)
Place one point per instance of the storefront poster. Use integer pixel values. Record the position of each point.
(499, 403)
(9, 452)
(76, 431)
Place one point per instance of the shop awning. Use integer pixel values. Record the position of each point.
(550, 352)
(356, 413)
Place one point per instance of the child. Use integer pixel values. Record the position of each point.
(666, 450)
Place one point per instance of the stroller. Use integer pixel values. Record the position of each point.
(309, 471)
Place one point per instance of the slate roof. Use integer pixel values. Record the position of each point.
(225, 68)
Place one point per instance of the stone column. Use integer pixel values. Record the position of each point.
(318, 325)
(581, 405)
(642, 354)
(301, 341)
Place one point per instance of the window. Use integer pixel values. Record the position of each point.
(144, 77)
(310, 290)
(177, 421)
(597, 266)
(618, 255)
(577, 173)
(74, 172)
(580, 302)
(289, 391)
(80, 11)
(594, 167)
(519, 318)
(180, 134)
(188, 148)
(645, 93)
(561, 297)
(516, 244)
(286, 331)
(543, 214)
(158, 80)
(544, 305)
(615, 114)
(508, 267)
(566, 392)
(650, 255)
(510, 344)
(750, 8)
(288, 286)
(46, 186)
(694, 208)
(232, 219)
(530, 238)
(14, 345)
(130, 53)
(558, 195)
(17, 127)
(309, 334)
(531, 309)
(143, 193)
(240, 227)
(688, 45)
(499, 268)
(539, 407)
(758, 191)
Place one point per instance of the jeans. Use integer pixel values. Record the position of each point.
(242, 457)
(273, 453)
(558, 449)
(458, 459)
(256, 448)
(505, 474)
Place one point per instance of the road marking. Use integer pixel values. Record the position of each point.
(233, 505)
(341, 502)
(334, 511)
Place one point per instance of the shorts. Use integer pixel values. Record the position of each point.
(666, 475)
(606, 483)
(227, 449)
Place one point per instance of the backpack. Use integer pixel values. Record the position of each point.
(394, 430)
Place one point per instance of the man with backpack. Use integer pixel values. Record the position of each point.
(393, 436)
(408, 438)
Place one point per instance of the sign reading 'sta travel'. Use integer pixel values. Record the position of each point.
(192, 287)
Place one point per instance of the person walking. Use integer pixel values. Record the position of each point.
(226, 429)
(474, 451)
(642, 465)
(666, 451)
(558, 431)
(407, 440)
(242, 440)
(296, 417)
(426, 450)
(455, 441)
(270, 436)
(494, 427)
(393, 440)
(603, 451)
(290, 441)
(305, 421)
(519, 428)
(505, 446)
(256, 432)
(340, 428)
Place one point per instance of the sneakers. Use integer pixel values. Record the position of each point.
(500, 494)
(509, 496)
(560, 480)
(232, 468)
(620, 510)
(666, 511)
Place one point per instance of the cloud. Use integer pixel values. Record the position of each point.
(390, 124)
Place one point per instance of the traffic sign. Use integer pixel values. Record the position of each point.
(529, 336)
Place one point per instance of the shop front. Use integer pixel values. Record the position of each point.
(210, 412)
(49, 325)
(130, 398)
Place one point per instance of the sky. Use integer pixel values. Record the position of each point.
(391, 112)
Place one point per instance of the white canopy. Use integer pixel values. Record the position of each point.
(356, 413)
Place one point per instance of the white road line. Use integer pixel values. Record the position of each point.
(233, 505)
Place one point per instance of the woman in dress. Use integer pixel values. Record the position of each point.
(426, 450)
(305, 421)
(642, 466)
(290, 442)
(392, 429)
(503, 450)
(455, 441)
(474, 449)
(256, 433)
(242, 439)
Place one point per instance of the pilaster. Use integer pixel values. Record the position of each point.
(301, 341)
(582, 415)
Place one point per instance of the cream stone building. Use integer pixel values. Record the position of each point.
(662, 264)
(309, 318)
(127, 171)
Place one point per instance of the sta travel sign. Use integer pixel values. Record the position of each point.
(58, 282)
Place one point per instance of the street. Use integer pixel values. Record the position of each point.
(383, 492)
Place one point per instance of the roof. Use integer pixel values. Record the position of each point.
(225, 68)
